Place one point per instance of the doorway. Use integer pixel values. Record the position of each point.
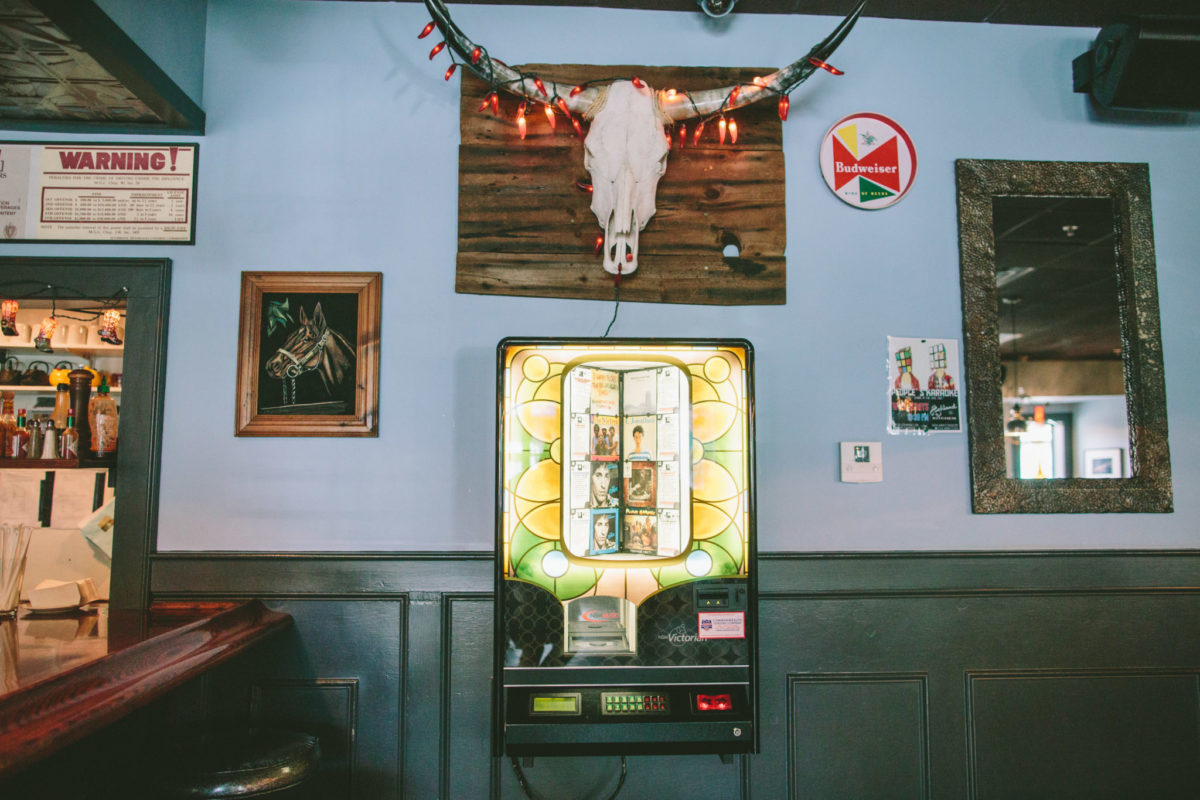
(145, 285)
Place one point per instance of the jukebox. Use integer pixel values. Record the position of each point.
(626, 618)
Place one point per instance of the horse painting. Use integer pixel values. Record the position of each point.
(313, 347)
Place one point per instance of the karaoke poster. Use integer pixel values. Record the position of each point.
(923, 386)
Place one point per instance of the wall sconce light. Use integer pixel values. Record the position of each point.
(8, 317)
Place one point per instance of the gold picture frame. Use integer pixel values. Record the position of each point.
(308, 354)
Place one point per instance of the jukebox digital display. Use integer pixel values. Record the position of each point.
(626, 617)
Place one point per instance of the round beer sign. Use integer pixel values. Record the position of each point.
(868, 160)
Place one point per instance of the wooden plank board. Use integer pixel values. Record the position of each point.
(525, 228)
(670, 279)
(526, 202)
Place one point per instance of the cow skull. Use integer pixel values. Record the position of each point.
(626, 148)
(625, 152)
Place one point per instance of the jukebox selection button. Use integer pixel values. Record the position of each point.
(615, 703)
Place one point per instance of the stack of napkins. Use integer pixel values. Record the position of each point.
(51, 594)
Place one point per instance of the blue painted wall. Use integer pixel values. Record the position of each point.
(332, 145)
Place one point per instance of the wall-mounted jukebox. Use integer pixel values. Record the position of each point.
(626, 618)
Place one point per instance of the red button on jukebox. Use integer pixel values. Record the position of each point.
(714, 702)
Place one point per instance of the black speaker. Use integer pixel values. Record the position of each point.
(1143, 62)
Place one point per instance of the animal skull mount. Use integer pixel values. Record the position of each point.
(626, 148)
(625, 152)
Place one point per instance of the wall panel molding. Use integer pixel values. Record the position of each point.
(782, 575)
(956, 653)
(297, 704)
(846, 730)
(1083, 733)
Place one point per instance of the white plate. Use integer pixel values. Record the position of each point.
(55, 610)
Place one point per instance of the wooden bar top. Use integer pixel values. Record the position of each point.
(64, 676)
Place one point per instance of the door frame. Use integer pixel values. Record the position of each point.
(147, 284)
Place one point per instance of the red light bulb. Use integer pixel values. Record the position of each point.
(577, 126)
(682, 135)
(733, 95)
(784, 104)
(696, 135)
(495, 104)
(598, 246)
(576, 90)
(476, 54)
(428, 29)
(637, 82)
(437, 48)
(722, 127)
(450, 71)
(550, 116)
(541, 87)
(733, 131)
(816, 62)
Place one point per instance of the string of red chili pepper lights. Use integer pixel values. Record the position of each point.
(725, 127)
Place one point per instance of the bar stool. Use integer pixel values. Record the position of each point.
(245, 763)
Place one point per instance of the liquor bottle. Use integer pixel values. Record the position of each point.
(18, 443)
(62, 404)
(102, 420)
(8, 423)
(69, 448)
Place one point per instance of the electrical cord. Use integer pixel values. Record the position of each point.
(616, 307)
(529, 792)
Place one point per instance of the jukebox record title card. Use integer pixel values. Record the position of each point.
(624, 431)
(923, 386)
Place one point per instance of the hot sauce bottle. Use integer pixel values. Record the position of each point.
(8, 424)
(18, 443)
(70, 438)
(102, 419)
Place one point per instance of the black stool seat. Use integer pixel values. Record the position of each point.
(254, 762)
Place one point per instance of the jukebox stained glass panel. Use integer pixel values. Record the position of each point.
(625, 471)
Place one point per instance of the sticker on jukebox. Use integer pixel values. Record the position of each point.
(922, 387)
(868, 160)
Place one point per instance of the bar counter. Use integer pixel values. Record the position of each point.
(64, 676)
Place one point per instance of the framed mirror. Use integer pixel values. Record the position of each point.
(1066, 400)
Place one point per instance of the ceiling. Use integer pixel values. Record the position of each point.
(1071, 13)
(64, 65)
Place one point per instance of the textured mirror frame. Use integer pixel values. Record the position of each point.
(1128, 185)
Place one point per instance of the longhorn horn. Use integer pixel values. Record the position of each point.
(779, 83)
(499, 75)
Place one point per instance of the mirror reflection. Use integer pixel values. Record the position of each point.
(1059, 328)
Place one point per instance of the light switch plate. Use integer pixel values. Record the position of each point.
(862, 462)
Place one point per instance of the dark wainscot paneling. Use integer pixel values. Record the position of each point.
(890, 675)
